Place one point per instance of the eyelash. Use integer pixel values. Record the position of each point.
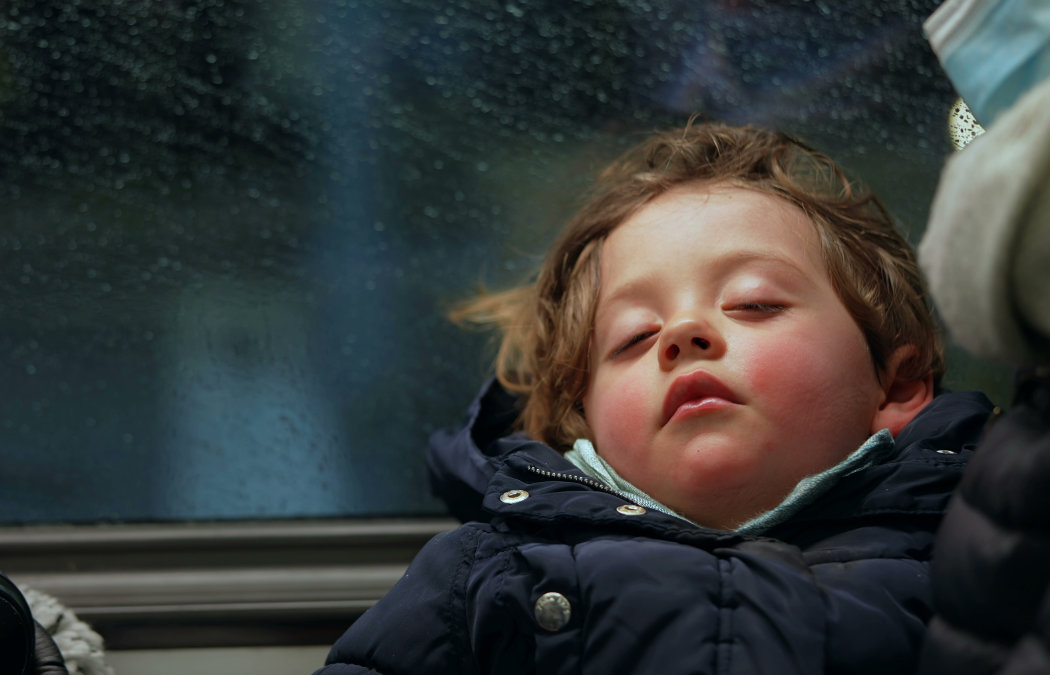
(761, 307)
(632, 342)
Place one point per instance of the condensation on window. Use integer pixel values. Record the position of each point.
(230, 229)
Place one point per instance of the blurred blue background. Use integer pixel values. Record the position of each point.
(229, 229)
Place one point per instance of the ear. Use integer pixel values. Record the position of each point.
(902, 399)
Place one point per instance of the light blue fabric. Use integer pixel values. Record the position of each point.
(992, 50)
(874, 450)
(587, 460)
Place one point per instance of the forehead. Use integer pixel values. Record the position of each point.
(713, 226)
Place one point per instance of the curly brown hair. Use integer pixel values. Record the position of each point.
(547, 325)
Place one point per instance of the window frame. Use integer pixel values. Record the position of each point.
(218, 584)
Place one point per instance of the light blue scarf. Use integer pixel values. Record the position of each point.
(584, 456)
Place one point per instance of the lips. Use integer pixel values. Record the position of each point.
(697, 390)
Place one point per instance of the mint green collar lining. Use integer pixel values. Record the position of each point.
(874, 450)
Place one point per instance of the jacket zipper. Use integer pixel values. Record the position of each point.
(585, 480)
(591, 482)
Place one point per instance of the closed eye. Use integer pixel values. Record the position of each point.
(635, 339)
(760, 307)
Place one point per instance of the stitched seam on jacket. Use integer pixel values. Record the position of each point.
(578, 591)
(711, 538)
(506, 554)
(724, 624)
(826, 605)
(457, 594)
(958, 463)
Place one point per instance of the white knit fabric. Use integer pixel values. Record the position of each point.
(81, 647)
(986, 250)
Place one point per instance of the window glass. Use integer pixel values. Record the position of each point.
(230, 228)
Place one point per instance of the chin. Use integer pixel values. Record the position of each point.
(722, 465)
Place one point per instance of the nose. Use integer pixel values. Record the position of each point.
(687, 339)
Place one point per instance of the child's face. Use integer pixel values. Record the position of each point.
(724, 367)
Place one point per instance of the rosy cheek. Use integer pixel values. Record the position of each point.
(773, 374)
(788, 372)
(805, 383)
(615, 412)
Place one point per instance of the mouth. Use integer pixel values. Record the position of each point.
(696, 392)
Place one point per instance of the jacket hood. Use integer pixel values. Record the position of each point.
(464, 461)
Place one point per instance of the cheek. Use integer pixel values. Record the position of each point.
(614, 411)
(808, 380)
(774, 362)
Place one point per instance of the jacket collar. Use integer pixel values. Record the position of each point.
(472, 467)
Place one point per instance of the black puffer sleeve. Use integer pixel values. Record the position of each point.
(992, 555)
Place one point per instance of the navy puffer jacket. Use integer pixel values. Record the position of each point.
(553, 574)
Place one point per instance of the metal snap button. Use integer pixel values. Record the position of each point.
(513, 496)
(947, 452)
(552, 611)
(631, 510)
